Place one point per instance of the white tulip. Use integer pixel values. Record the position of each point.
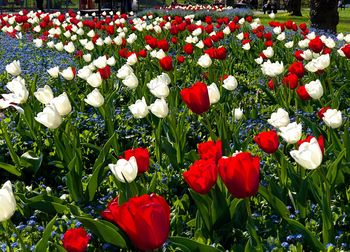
(54, 71)
(332, 118)
(87, 57)
(238, 114)
(279, 119)
(95, 98)
(84, 73)
(111, 61)
(205, 61)
(131, 81)
(158, 88)
(59, 46)
(124, 71)
(69, 48)
(314, 89)
(100, 62)
(291, 133)
(272, 69)
(44, 95)
(281, 36)
(89, 46)
(289, 44)
(125, 170)
(246, 46)
(19, 91)
(94, 80)
(5, 104)
(7, 202)
(62, 104)
(132, 59)
(230, 83)
(268, 52)
(14, 68)
(49, 117)
(139, 109)
(309, 155)
(159, 108)
(214, 93)
(68, 73)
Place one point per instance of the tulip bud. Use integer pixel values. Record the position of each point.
(95, 98)
(14, 68)
(139, 109)
(238, 114)
(7, 202)
(49, 117)
(159, 108)
(44, 95)
(124, 170)
(214, 93)
(62, 104)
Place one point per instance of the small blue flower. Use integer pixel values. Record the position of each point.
(285, 244)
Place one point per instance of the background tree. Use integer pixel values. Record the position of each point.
(294, 6)
(324, 14)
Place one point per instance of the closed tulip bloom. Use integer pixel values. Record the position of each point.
(62, 104)
(332, 118)
(297, 68)
(145, 219)
(59, 46)
(69, 48)
(309, 155)
(94, 80)
(124, 170)
(131, 81)
(268, 52)
(238, 112)
(132, 59)
(210, 150)
(14, 68)
(201, 176)
(124, 72)
(230, 83)
(142, 158)
(75, 240)
(111, 61)
(158, 88)
(84, 73)
(241, 174)
(68, 73)
(303, 94)
(49, 117)
(159, 108)
(196, 98)
(44, 95)
(314, 89)
(214, 93)
(205, 61)
(166, 63)
(95, 98)
(54, 71)
(87, 57)
(7, 202)
(279, 119)
(267, 141)
(100, 62)
(139, 109)
(291, 133)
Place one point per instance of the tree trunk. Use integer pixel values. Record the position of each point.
(296, 8)
(324, 14)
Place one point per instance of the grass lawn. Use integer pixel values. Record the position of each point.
(343, 26)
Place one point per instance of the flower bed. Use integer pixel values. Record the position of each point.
(171, 132)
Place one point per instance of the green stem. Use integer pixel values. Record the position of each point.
(7, 235)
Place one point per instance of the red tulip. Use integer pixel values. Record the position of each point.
(240, 174)
(267, 141)
(316, 44)
(291, 81)
(105, 72)
(196, 97)
(210, 150)
(180, 59)
(201, 176)
(166, 63)
(271, 84)
(142, 158)
(346, 50)
(145, 219)
(75, 240)
(188, 48)
(297, 68)
(303, 94)
(298, 54)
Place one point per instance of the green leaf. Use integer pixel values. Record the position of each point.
(202, 206)
(104, 230)
(100, 163)
(29, 159)
(59, 248)
(333, 168)
(74, 183)
(42, 244)
(275, 202)
(191, 245)
(10, 168)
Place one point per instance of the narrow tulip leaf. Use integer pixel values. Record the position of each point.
(59, 248)
(333, 168)
(30, 160)
(202, 205)
(192, 245)
(275, 202)
(106, 231)
(10, 168)
(74, 183)
(42, 244)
